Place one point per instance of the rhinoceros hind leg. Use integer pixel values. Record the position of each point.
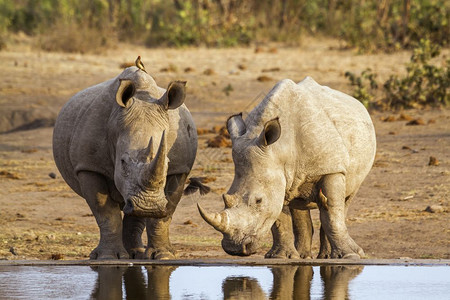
(132, 236)
(303, 231)
(325, 247)
(332, 217)
(283, 237)
(95, 190)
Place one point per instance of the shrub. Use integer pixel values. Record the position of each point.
(194, 26)
(368, 25)
(425, 84)
(365, 86)
(372, 25)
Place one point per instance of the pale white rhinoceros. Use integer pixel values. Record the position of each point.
(128, 144)
(304, 146)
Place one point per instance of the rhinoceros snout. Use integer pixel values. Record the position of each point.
(244, 248)
(154, 211)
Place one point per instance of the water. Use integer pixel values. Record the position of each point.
(224, 282)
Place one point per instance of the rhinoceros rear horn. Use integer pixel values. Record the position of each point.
(217, 220)
(155, 171)
(236, 126)
(229, 200)
(175, 95)
(125, 92)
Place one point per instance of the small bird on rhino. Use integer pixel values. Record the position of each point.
(139, 64)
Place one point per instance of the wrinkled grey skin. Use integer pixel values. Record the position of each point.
(127, 144)
(304, 146)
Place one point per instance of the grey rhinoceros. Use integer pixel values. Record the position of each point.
(304, 146)
(127, 144)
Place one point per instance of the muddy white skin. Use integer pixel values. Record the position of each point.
(127, 144)
(304, 146)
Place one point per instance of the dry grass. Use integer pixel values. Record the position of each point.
(49, 208)
(75, 38)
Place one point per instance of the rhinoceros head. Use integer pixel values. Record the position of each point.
(140, 132)
(256, 196)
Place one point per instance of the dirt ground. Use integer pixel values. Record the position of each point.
(41, 218)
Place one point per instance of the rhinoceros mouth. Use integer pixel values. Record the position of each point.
(156, 210)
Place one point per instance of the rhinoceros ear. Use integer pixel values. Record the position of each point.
(175, 95)
(125, 92)
(236, 126)
(271, 132)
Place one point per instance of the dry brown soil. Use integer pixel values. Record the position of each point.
(41, 218)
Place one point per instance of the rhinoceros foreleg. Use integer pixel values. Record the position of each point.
(283, 237)
(95, 190)
(159, 246)
(332, 217)
(132, 236)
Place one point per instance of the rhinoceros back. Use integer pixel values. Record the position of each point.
(324, 131)
(337, 133)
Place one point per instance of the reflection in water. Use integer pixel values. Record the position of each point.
(136, 284)
(336, 279)
(293, 282)
(109, 283)
(242, 288)
(224, 282)
(289, 282)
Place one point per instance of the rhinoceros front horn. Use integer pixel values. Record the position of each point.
(155, 171)
(217, 220)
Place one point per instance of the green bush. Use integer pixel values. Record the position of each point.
(365, 86)
(195, 26)
(389, 26)
(425, 84)
(369, 25)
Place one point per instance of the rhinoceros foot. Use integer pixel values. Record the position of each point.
(108, 252)
(137, 253)
(351, 256)
(325, 247)
(353, 251)
(324, 255)
(282, 252)
(160, 254)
